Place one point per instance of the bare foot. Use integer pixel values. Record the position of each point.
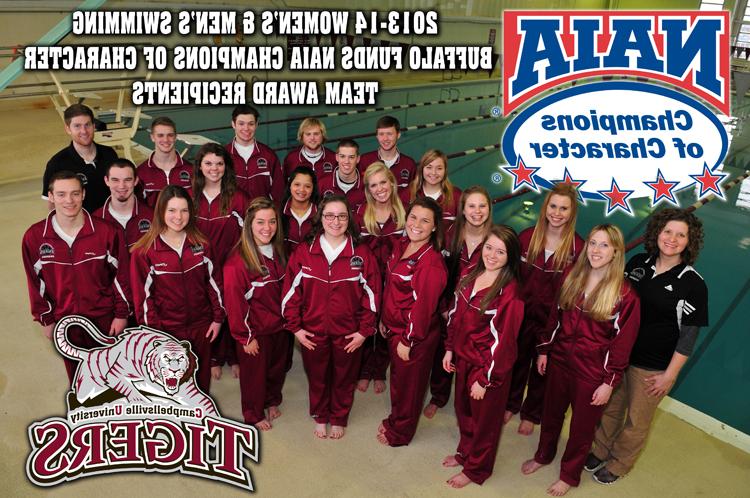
(337, 432)
(236, 371)
(458, 481)
(558, 489)
(379, 386)
(508, 415)
(450, 461)
(430, 410)
(320, 431)
(216, 372)
(273, 412)
(381, 428)
(530, 466)
(382, 439)
(264, 425)
(526, 427)
(363, 384)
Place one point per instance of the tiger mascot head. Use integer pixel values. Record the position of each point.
(170, 364)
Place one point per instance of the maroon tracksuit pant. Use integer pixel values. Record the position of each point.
(201, 346)
(525, 373)
(440, 380)
(331, 376)
(408, 386)
(480, 423)
(375, 358)
(565, 389)
(262, 376)
(223, 350)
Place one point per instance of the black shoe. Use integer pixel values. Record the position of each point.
(604, 476)
(593, 463)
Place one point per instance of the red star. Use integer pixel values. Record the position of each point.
(616, 198)
(522, 174)
(568, 180)
(709, 182)
(662, 189)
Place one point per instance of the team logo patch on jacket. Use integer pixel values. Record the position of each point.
(184, 176)
(144, 225)
(262, 163)
(84, 178)
(356, 262)
(134, 405)
(197, 248)
(637, 274)
(404, 174)
(327, 167)
(46, 250)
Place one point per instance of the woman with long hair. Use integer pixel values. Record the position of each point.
(253, 279)
(462, 239)
(481, 349)
(674, 305)
(175, 283)
(432, 181)
(547, 250)
(381, 222)
(331, 294)
(220, 206)
(415, 280)
(588, 341)
(299, 206)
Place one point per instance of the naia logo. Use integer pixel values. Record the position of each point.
(134, 406)
(543, 49)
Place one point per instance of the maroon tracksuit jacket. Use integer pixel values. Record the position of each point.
(253, 303)
(450, 211)
(137, 225)
(90, 278)
(375, 356)
(324, 165)
(582, 355)
(541, 285)
(404, 169)
(484, 347)
(413, 287)
(179, 294)
(294, 233)
(152, 179)
(331, 301)
(261, 174)
(328, 186)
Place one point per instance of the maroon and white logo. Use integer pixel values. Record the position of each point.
(144, 225)
(184, 176)
(262, 163)
(134, 405)
(46, 250)
(327, 167)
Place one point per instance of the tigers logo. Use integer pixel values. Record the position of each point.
(404, 174)
(327, 167)
(184, 176)
(144, 226)
(616, 140)
(197, 248)
(134, 405)
(637, 274)
(262, 163)
(356, 263)
(46, 250)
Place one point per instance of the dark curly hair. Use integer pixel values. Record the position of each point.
(659, 220)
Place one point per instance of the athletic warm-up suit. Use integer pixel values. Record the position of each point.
(328, 185)
(322, 166)
(179, 293)
(137, 225)
(484, 347)
(253, 303)
(541, 285)
(89, 278)
(91, 174)
(331, 301)
(222, 231)
(403, 168)
(152, 179)
(582, 355)
(261, 174)
(440, 380)
(672, 303)
(449, 211)
(413, 287)
(294, 231)
(375, 356)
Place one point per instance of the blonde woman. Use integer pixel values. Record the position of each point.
(432, 181)
(585, 352)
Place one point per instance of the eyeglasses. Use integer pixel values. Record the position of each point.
(331, 217)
